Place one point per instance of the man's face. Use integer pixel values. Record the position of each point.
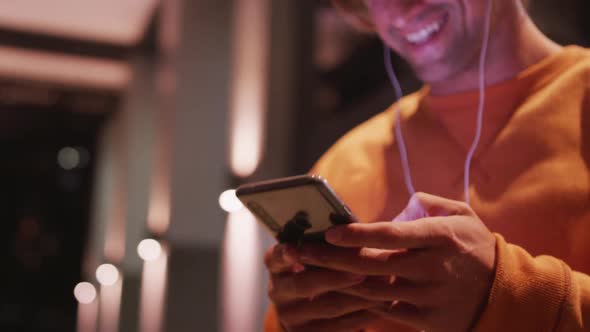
(439, 38)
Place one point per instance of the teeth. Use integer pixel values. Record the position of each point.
(423, 34)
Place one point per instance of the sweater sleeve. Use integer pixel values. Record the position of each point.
(535, 294)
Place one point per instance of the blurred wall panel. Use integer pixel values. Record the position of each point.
(122, 187)
(199, 107)
(200, 123)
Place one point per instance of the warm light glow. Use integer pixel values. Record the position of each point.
(240, 273)
(153, 294)
(229, 202)
(87, 317)
(117, 210)
(110, 306)
(107, 274)
(159, 209)
(249, 85)
(106, 21)
(85, 292)
(68, 158)
(70, 70)
(114, 243)
(149, 250)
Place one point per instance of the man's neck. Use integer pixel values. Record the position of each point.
(512, 48)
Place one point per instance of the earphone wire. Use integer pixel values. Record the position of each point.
(479, 124)
(482, 100)
(398, 130)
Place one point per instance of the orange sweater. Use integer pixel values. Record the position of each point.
(530, 182)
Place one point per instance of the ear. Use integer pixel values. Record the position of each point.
(356, 13)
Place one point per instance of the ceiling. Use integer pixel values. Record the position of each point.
(103, 24)
(121, 22)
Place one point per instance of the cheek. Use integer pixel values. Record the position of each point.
(391, 39)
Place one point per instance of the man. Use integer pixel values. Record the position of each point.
(518, 257)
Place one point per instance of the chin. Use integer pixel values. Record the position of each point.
(432, 73)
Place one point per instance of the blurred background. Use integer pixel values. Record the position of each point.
(123, 122)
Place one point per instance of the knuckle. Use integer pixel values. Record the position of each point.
(437, 271)
(419, 197)
(393, 231)
(463, 208)
(445, 233)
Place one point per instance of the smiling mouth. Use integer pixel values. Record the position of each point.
(426, 33)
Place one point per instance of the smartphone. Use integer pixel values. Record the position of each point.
(295, 209)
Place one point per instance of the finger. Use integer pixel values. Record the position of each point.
(281, 258)
(325, 306)
(380, 289)
(404, 313)
(422, 233)
(312, 282)
(420, 265)
(422, 205)
(353, 322)
(413, 211)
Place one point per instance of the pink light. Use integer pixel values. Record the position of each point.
(153, 293)
(64, 69)
(159, 208)
(87, 317)
(110, 21)
(240, 273)
(110, 306)
(249, 85)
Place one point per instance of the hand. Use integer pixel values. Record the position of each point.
(444, 264)
(305, 300)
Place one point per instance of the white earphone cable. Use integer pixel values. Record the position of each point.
(398, 94)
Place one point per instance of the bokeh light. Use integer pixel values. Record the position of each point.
(149, 249)
(68, 158)
(229, 202)
(85, 292)
(107, 274)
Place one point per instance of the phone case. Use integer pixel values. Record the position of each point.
(295, 209)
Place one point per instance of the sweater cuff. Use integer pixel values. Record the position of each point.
(527, 293)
